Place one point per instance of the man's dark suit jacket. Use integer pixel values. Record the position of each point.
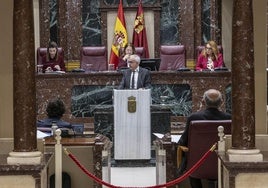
(144, 79)
(207, 114)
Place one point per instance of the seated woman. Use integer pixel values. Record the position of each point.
(128, 50)
(53, 61)
(209, 58)
(55, 110)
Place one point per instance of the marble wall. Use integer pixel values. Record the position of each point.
(87, 98)
(80, 23)
(53, 23)
(84, 92)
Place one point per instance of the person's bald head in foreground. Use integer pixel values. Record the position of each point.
(212, 98)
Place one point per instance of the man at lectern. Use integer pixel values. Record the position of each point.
(136, 77)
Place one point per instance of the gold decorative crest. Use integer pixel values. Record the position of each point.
(131, 104)
(139, 23)
(119, 39)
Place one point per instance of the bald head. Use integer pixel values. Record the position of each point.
(212, 98)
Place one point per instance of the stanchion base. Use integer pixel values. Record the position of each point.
(251, 155)
(24, 158)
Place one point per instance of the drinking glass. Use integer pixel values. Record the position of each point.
(111, 67)
(89, 67)
(39, 69)
(169, 67)
(163, 99)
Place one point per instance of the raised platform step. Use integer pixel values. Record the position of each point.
(133, 163)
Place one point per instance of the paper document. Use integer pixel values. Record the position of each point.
(62, 72)
(158, 135)
(40, 134)
(174, 138)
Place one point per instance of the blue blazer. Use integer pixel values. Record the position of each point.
(48, 123)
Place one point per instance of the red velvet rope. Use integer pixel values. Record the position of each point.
(171, 183)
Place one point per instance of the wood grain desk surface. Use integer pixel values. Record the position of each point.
(86, 140)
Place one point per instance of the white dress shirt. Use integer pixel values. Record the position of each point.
(135, 78)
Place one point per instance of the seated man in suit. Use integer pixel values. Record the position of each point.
(136, 77)
(55, 110)
(212, 99)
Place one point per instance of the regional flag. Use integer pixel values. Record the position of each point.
(139, 32)
(120, 36)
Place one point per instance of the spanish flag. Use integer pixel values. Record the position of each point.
(120, 36)
(139, 33)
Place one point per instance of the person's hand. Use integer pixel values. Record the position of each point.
(57, 67)
(126, 57)
(48, 69)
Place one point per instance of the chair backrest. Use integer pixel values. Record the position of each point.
(140, 51)
(96, 56)
(173, 56)
(200, 48)
(202, 135)
(41, 52)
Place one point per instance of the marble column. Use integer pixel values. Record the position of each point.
(215, 20)
(243, 96)
(187, 27)
(70, 28)
(44, 15)
(25, 143)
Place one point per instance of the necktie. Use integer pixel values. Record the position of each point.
(133, 80)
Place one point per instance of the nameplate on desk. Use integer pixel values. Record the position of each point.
(78, 70)
(55, 72)
(183, 69)
(221, 69)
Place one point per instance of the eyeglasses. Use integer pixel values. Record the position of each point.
(208, 48)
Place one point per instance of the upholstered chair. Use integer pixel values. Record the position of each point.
(140, 51)
(202, 135)
(43, 52)
(172, 57)
(200, 48)
(93, 58)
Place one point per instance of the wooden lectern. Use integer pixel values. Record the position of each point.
(132, 124)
